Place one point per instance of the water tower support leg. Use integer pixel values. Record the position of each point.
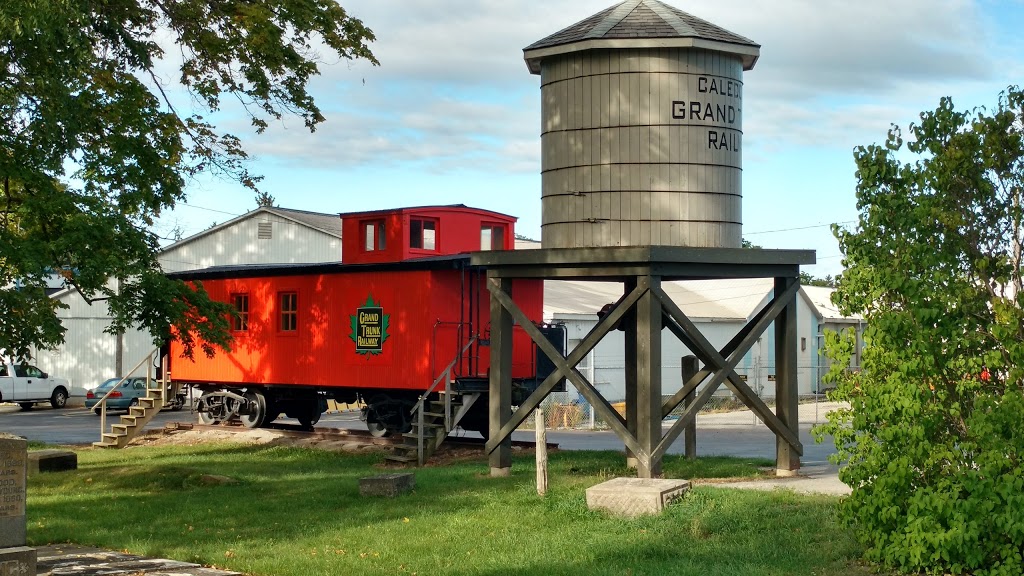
(648, 362)
(501, 381)
(629, 322)
(787, 385)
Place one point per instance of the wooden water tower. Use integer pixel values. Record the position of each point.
(641, 183)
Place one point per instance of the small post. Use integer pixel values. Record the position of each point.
(542, 451)
(690, 367)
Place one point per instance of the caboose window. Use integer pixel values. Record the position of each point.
(240, 320)
(289, 311)
(423, 234)
(492, 237)
(373, 235)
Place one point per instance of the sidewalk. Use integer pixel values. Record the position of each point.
(71, 559)
(817, 476)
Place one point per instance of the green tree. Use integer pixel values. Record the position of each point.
(93, 149)
(807, 279)
(265, 199)
(933, 441)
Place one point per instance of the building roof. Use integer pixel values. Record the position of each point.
(641, 20)
(729, 299)
(327, 223)
(734, 299)
(821, 298)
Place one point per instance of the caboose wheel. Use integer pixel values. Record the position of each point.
(377, 429)
(308, 418)
(204, 414)
(257, 408)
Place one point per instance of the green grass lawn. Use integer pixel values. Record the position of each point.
(298, 512)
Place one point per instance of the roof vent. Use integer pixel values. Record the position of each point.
(266, 231)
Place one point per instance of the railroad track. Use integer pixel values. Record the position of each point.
(338, 434)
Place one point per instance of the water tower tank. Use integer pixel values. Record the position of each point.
(642, 129)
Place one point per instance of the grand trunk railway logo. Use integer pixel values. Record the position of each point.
(370, 328)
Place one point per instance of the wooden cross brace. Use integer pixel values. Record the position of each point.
(720, 365)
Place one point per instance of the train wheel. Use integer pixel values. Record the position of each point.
(257, 407)
(377, 429)
(272, 410)
(309, 418)
(205, 417)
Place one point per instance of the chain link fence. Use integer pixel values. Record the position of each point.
(569, 410)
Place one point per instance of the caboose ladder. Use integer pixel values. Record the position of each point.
(138, 416)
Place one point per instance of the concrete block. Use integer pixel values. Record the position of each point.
(632, 497)
(51, 461)
(20, 561)
(13, 477)
(389, 485)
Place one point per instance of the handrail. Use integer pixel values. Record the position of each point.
(445, 376)
(102, 404)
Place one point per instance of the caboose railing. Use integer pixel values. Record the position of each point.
(102, 403)
(449, 419)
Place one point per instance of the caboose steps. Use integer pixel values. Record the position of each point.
(431, 426)
(132, 423)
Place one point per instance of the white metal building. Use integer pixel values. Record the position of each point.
(719, 307)
(263, 236)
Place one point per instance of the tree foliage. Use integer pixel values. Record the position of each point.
(93, 146)
(933, 441)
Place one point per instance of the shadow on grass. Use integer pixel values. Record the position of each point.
(298, 511)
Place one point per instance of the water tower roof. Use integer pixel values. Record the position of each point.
(641, 24)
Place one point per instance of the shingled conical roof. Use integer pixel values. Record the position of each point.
(641, 24)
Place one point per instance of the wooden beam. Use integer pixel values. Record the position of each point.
(725, 369)
(631, 368)
(500, 456)
(648, 389)
(786, 382)
(689, 367)
(564, 367)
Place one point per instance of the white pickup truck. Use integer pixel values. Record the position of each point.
(28, 386)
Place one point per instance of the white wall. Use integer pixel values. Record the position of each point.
(87, 356)
(290, 243)
(605, 366)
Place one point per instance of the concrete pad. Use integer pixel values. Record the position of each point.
(20, 561)
(389, 485)
(51, 461)
(632, 497)
(71, 559)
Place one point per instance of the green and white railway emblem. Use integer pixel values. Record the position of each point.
(370, 328)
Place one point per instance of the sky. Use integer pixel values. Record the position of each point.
(452, 114)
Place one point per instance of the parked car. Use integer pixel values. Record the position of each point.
(126, 395)
(28, 385)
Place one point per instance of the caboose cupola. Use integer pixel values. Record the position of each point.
(421, 232)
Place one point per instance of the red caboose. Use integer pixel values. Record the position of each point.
(402, 315)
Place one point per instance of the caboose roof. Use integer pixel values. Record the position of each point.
(446, 262)
(445, 207)
(641, 24)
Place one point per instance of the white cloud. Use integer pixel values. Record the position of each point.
(452, 90)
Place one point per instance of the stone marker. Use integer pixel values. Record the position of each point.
(632, 497)
(389, 485)
(51, 461)
(15, 558)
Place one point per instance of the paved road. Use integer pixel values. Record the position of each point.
(732, 434)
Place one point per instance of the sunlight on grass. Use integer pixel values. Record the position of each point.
(298, 511)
